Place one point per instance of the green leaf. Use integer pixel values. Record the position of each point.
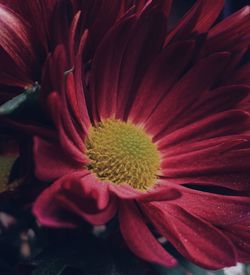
(17, 103)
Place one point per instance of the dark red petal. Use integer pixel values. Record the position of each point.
(49, 212)
(101, 217)
(171, 63)
(187, 90)
(220, 210)
(197, 20)
(217, 125)
(240, 236)
(231, 180)
(143, 45)
(28, 128)
(231, 34)
(126, 192)
(241, 75)
(106, 70)
(51, 162)
(214, 101)
(80, 85)
(160, 194)
(198, 143)
(72, 123)
(78, 194)
(14, 40)
(85, 192)
(139, 238)
(134, 44)
(98, 17)
(69, 138)
(38, 15)
(73, 35)
(215, 158)
(194, 238)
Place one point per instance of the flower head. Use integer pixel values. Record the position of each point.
(152, 133)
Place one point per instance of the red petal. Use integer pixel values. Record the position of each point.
(221, 210)
(139, 238)
(231, 34)
(217, 125)
(30, 129)
(103, 216)
(124, 63)
(78, 194)
(15, 41)
(106, 70)
(234, 181)
(171, 62)
(79, 92)
(142, 47)
(194, 238)
(126, 192)
(51, 162)
(214, 101)
(241, 75)
(69, 138)
(197, 20)
(187, 90)
(215, 158)
(240, 236)
(49, 212)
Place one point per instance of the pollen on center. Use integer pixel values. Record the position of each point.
(121, 152)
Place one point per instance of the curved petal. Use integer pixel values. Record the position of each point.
(139, 238)
(15, 41)
(51, 162)
(197, 20)
(78, 194)
(212, 102)
(218, 209)
(187, 90)
(68, 135)
(193, 237)
(103, 216)
(213, 126)
(230, 34)
(47, 210)
(126, 192)
(230, 156)
(240, 236)
(142, 47)
(160, 77)
(123, 56)
(105, 71)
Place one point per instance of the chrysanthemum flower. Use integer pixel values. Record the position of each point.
(154, 137)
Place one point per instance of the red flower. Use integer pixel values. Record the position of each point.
(154, 136)
(30, 30)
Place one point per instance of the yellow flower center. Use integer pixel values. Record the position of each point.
(121, 152)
